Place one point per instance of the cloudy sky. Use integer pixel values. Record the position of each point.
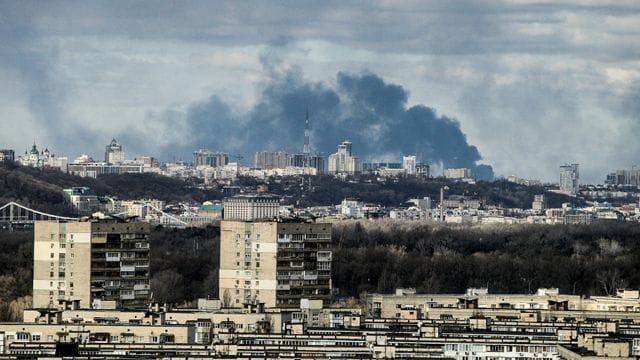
(522, 86)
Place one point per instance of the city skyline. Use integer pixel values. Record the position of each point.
(523, 86)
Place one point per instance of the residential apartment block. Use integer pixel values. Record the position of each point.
(277, 263)
(95, 263)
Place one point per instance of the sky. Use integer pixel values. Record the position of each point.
(510, 87)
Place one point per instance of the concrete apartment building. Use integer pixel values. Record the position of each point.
(205, 157)
(271, 160)
(268, 260)
(95, 263)
(275, 263)
(570, 178)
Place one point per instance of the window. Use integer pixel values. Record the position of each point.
(257, 264)
(52, 255)
(35, 337)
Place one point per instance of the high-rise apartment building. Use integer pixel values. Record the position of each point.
(569, 178)
(113, 153)
(205, 157)
(343, 160)
(313, 161)
(271, 160)
(91, 262)
(409, 164)
(277, 263)
(628, 177)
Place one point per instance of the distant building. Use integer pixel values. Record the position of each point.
(271, 160)
(35, 158)
(83, 200)
(374, 166)
(95, 169)
(91, 262)
(624, 178)
(313, 161)
(113, 153)
(539, 203)
(205, 157)
(7, 156)
(251, 207)
(343, 161)
(352, 208)
(409, 164)
(422, 170)
(569, 179)
(277, 264)
(461, 202)
(457, 173)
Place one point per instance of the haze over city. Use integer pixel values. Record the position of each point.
(522, 86)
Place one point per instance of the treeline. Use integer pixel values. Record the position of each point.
(379, 256)
(184, 263)
(582, 259)
(16, 274)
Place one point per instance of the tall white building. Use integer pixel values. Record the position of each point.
(409, 164)
(343, 161)
(113, 153)
(569, 178)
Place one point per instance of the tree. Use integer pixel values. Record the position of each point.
(167, 286)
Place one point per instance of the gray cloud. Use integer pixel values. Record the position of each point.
(529, 82)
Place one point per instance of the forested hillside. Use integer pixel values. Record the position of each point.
(41, 189)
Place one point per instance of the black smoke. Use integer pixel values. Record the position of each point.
(362, 108)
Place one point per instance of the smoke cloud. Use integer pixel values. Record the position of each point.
(361, 107)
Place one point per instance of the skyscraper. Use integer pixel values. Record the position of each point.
(113, 153)
(343, 160)
(569, 179)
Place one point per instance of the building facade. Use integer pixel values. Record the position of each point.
(205, 157)
(91, 262)
(251, 207)
(570, 178)
(83, 200)
(343, 161)
(312, 161)
(113, 153)
(624, 178)
(277, 263)
(7, 156)
(271, 160)
(409, 164)
(457, 173)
